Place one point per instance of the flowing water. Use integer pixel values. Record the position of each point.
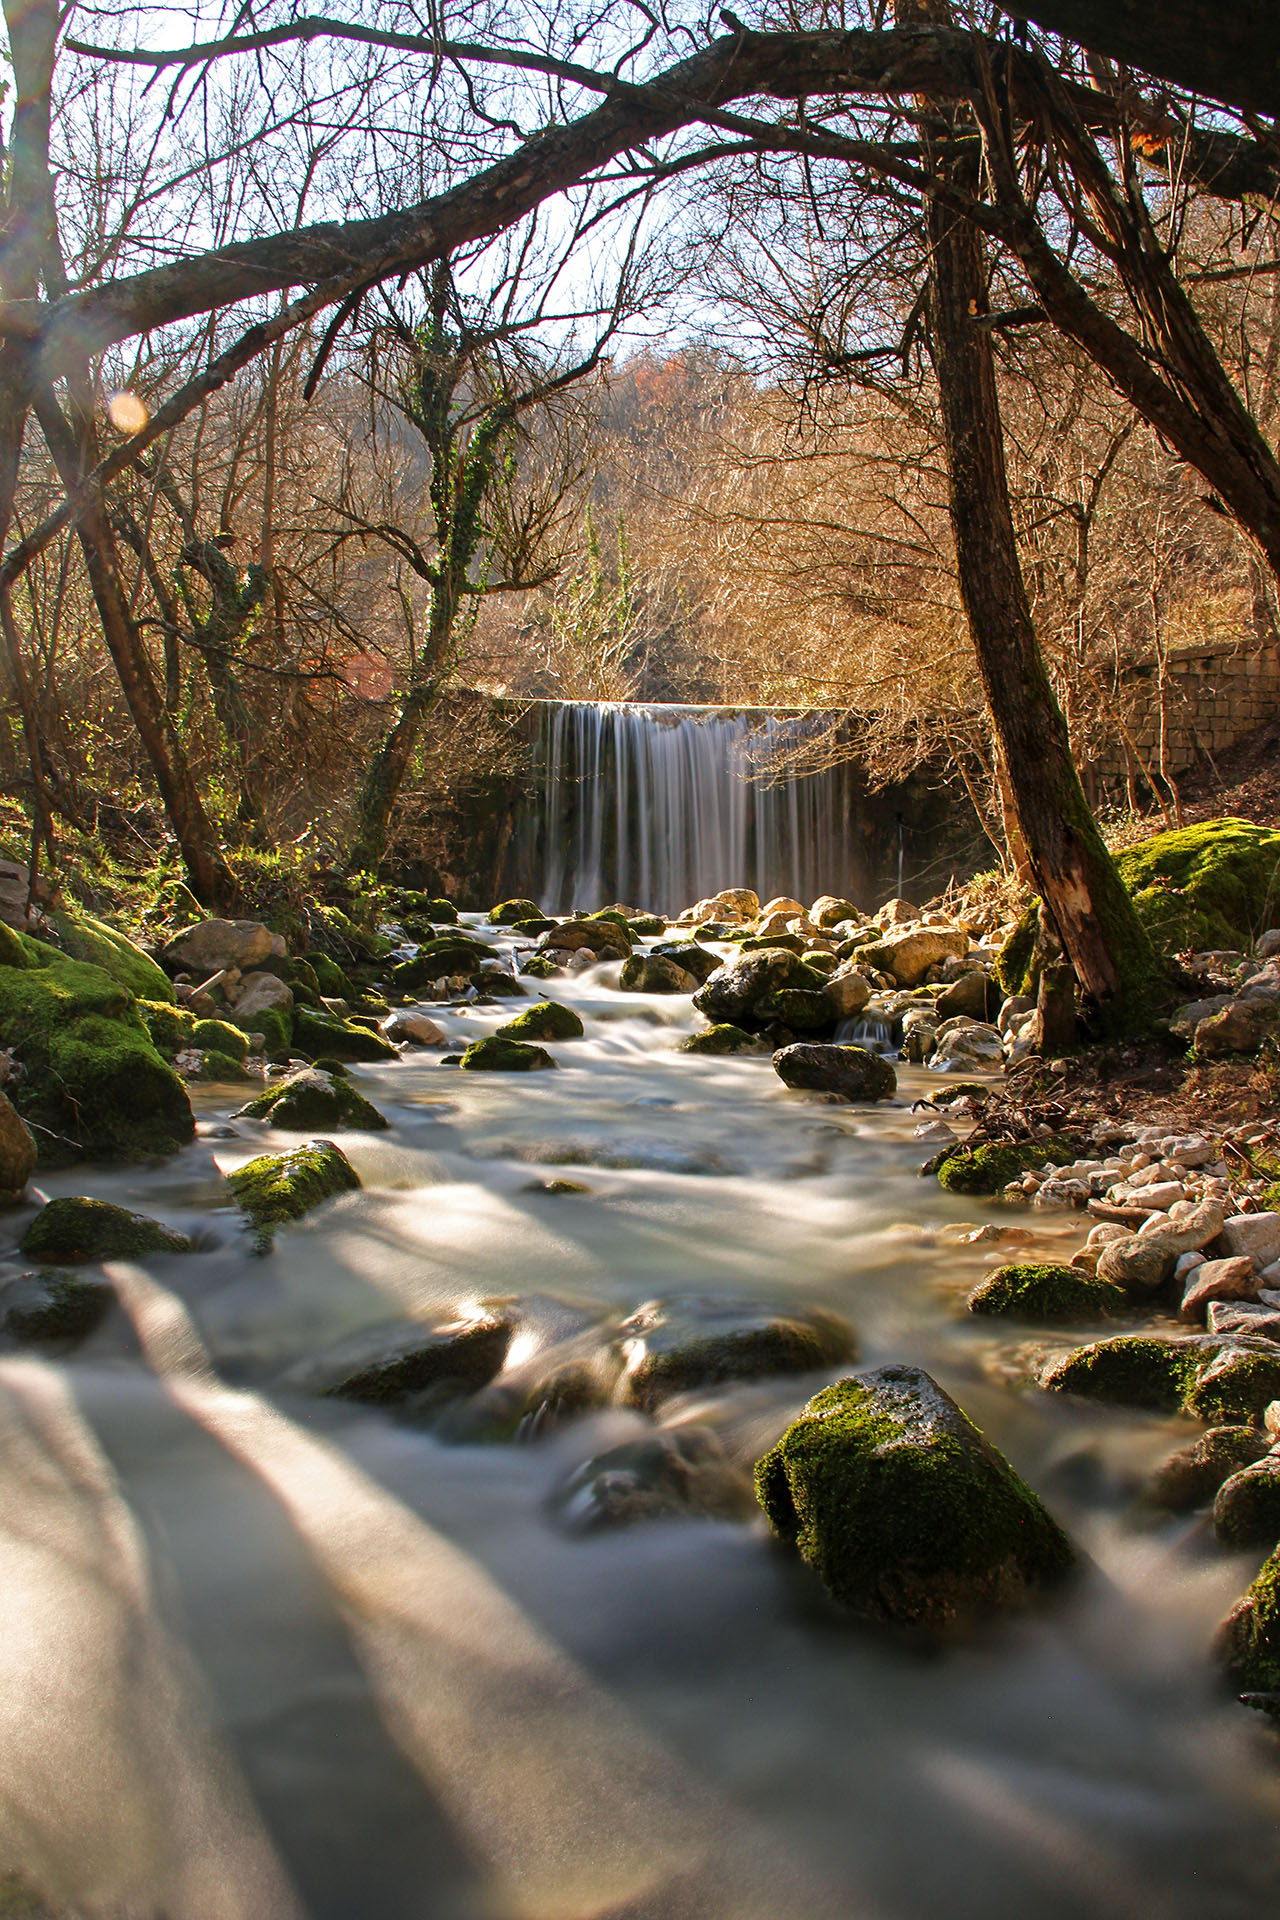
(264, 1655)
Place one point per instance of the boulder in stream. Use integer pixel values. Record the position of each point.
(440, 959)
(1191, 1477)
(319, 1034)
(1041, 1290)
(1129, 1370)
(50, 1305)
(410, 1365)
(907, 1513)
(676, 1473)
(509, 912)
(310, 1100)
(655, 973)
(1246, 1512)
(278, 1187)
(694, 1340)
(497, 1054)
(76, 1229)
(1248, 1641)
(724, 1038)
(544, 1020)
(210, 946)
(733, 992)
(851, 1073)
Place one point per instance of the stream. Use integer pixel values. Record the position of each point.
(263, 1654)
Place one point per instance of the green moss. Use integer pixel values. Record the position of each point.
(452, 953)
(12, 953)
(223, 1068)
(74, 1229)
(93, 1083)
(1192, 1476)
(990, 1168)
(172, 1029)
(496, 1054)
(306, 1102)
(1249, 1641)
(331, 981)
(1033, 1290)
(219, 1036)
(531, 929)
(724, 1038)
(342, 938)
(646, 923)
(545, 1020)
(51, 1304)
(1129, 1370)
(318, 1033)
(759, 942)
(1235, 1388)
(84, 938)
(507, 912)
(1211, 885)
(539, 967)
(803, 1009)
(1015, 966)
(279, 1187)
(1246, 1512)
(906, 1512)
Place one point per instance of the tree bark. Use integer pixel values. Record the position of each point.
(1231, 52)
(1075, 877)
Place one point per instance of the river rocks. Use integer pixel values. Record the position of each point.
(261, 993)
(723, 1039)
(1248, 1642)
(605, 938)
(320, 1035)
(896, 913)
(846, 992)
(54, 1308)
(409, 1365)
(414, 1029)
(545, 1020)
(1191, 1477)
(74, 1229)
(1041, 1291)
(440, 959)
(1129, 1370)
(279, 1187)
(851, 1073)
(1254, 1236)
(908, 955)
(677, 1473)
(1234, 1387)
(974, 995)
(990, 1167)
(508, 912)
(654, 973)
(213, 946)
(906, 1512)
(829, 910)
(966, 1046)
(1255, 1317)
(1233, 1279)
(311, 1100)
(734, 992)
(1246, 1512)
(82, 937)
(689, 957)
(1137, 1264)
(495, 1054)
(17, 1153)
(801, 1009)
(671, 1346)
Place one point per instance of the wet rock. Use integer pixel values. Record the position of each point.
(966, 1046)
(654, 973)
(1233, 1279)
(320, 1035)
(209, 946)
(672, 1346)
(1244, 1316)
(1033, 1290)
(409, 1365)
(1129, 1370)
(495, 1054)
(539, 966)
(847, 992)
(605, 938)
(495, 979)
(1139, 1264)
(508, 912)
(989, 1168)
(801, 1009)
(17, 1153)
(310, 1100)
(724, 1038)
(545, 1020)
(907, 1513)
(439, 959)
(1246, 1512)
(54, 1306)
(975, 995)
(1254, 1236)
(76, 1229)
(415, 1029)
(679, 1473)
(829, 910)
(852, 1073)
(733, 992)
(1247, 1644)
(279, 1187)
(1234, 1387)
(689, 957)
(1191, 1477)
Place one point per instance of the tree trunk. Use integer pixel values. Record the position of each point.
(386, 776)
(1074, 875)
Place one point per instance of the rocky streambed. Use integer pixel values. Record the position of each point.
(392, 1543)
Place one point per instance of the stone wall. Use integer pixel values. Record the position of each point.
(1213, 696)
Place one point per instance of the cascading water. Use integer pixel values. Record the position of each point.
(657, 805)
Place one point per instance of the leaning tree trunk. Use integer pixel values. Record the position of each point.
(1074, 874)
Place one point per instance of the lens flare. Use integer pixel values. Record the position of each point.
(127, 413)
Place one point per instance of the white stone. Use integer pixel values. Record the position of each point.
(1254, 1234)
(1157, 1198)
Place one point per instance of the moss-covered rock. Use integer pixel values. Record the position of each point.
(1246, 1512)
(646, 924)
(223, 1069)
(12, 951)
(279, 1187)
(538, 966)
(497, 1054)
(1205, 886)
(408, 1364)
(309, 1101)
(50, 1305)
(321, 1033)
(84, 938)
(802, 1009)
(75, 1229)
(654, 973)
(329, 977)
(1191, 1477)
(676, 1473)
(531, 929)
(92, 1081)
(1235, 1387)
(1016, 969)
(907, 1513)
(725, 1038)
(689, 957)
(438, 960)
(670, 1346)
(508, 912)
(1038, 1290)
(171, 1028)
(219, 1036)
(1129, 1370)
(275, 1024)
(1248, 1642)
(990, 1167)
(545, 1020)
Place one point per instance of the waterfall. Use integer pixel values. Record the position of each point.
(654, 806)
